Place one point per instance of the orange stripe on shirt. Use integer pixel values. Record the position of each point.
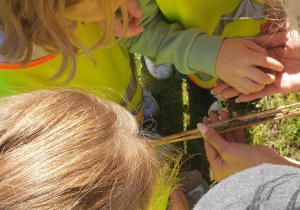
(33, 63)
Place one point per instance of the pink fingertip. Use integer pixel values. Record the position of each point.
(209, 113)
(138, 13)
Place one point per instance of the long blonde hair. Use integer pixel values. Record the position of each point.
(69, 150)
(25, 23)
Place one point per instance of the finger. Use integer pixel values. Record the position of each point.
(273, 40)
(268, 90)
(213, 117)
(219, 88)
(134, 22)
(229, 93)
(206, 121)
(213, 138)
(267, 62)
(248, 86)
(131, 31)
(134, 28)
(228, 135)
(238, 133)
(259, 57)
(178, 200)
(134, 9)
(118, 27)
(261, 76)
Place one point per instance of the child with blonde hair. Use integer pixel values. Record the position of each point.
(43, 44)
(72, 150)
(40, 39)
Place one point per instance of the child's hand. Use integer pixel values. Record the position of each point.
(134, 14)
(237, 65)
(228, 154)
(178, 201)
(282, 47)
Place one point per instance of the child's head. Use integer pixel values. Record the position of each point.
(46, 23)
(67, 150)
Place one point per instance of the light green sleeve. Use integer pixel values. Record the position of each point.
(190, 50)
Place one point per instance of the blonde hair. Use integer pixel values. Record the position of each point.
(288, 9)
(69, 150)
(25, 23)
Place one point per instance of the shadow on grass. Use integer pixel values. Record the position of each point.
(170, 97)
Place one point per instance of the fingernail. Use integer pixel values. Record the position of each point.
(202, 128)
(237, 100)
(209, 113)
(138, 12)
(213, 92)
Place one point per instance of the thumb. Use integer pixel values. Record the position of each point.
(212, 137)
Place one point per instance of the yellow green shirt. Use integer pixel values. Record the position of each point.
(110, 75)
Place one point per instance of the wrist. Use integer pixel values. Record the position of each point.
(218, 63)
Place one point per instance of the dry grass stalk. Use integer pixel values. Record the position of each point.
(224, 126)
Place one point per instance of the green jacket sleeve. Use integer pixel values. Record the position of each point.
(190, 50)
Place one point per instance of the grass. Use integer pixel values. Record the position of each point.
(178, 114)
